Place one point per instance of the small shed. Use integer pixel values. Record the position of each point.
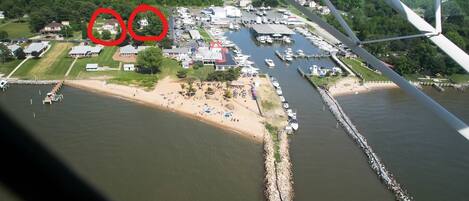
(129, 67)
(92, 67)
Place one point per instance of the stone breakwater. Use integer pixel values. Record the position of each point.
(375, 163)
(279, 179)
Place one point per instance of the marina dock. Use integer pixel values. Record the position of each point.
(298, 56)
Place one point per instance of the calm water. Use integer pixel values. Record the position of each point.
(131, 152)
(426, 155)
(327, 165)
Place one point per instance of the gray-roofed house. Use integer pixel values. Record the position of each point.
(85, 50)
(177, 53)
(38, 47)
(130, 50)
(13, 48)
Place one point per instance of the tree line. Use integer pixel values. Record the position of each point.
(375, 20)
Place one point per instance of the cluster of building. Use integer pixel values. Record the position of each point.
(323, 10)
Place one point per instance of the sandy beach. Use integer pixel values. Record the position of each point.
(351, 85)
(239, 114)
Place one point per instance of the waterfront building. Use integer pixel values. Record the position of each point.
(272, 29)
(177, 53)
(92, 67)
(208, 55)
(227, 62)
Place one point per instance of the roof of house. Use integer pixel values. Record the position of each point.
(54, 24)
(195, 34)
(181, 50)
(36, 47)
(209, 54)
(129, 49)
(91, 65)
(13, 47)
(84, 49)
(272, 29)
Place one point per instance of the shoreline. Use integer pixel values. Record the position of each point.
(85, 85)
(352, 86)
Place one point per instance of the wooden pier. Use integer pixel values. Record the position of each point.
(52, 96)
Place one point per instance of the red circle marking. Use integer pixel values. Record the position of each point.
(121, 23)
(143, 8)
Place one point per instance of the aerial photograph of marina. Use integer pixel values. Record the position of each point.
(234, 100)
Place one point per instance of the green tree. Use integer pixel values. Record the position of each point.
(19, 53)
(182, 73)
(84, 31)
(5, 53)
(151, 58)
(96, 33)
(66, 32)
(106, 35)
(457, 39)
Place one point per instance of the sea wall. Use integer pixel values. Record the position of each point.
(35, 82)
(375, 163)
(278, 175)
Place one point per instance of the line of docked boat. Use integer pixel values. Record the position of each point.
(292, 120)
(276, 37)
(288, 55)
(316, 40)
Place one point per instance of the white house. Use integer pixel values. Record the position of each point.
(129, 67)
(217, 12)
(130, 50)
(111, 25)
(53, 27)
(38, 47)
(143, 23)
(244, 3)
(2, 15)
(85, 50)
(92, 67)
(312, 4)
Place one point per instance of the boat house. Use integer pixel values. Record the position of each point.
(85, 50)
(272, 29)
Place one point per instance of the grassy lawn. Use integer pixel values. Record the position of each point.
(17, 29)
(7, 67)
(170, 68)
(53, 64)
(204, 34)
(132, 78)
(325, 81)
(24, 70)
(367, 74)
(104, 59)
(459, 78)
(200, 73)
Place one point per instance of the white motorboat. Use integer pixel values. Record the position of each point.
(270, 62)
(282, 99)
(285, 105)
(300, 53)
(269, 40)
(276, 84)
(286, 39)
(279, 91)
(3, 84)
(288, 57)
(294, 125)
(261, 39)
(289, 112)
